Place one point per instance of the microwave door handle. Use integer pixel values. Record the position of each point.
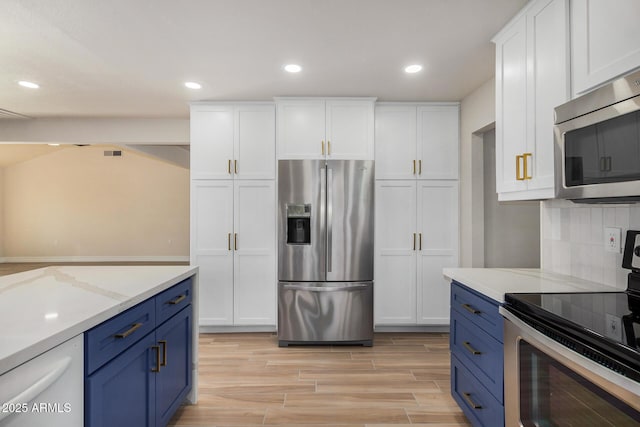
(329, 217)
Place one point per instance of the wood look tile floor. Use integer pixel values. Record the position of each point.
(246, 380)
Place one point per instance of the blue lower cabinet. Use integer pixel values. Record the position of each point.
(174, 380)
(477, 403)
(119, 393)
(149, 375)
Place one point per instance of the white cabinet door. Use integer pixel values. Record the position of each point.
(438, 142)
(511, 98)
(254, 260)
(548, 85)
(395, 141)
(437, 248)
(211, 142)
(211, 248)
(255, 142)
(605, 41)
(349, 129)
(395, 260)
(301, 129)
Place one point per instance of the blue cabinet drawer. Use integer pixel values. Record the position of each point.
(480, 352)
(112, 337)
(480, 310)
(173, 300)
(480, 407)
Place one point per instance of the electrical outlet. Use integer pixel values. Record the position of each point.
(612, 239)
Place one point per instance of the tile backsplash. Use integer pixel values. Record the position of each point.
(573, 239)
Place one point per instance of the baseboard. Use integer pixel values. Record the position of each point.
(95, 259)
(234, 329)
(421, 328)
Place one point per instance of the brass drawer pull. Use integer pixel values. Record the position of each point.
(414, 167)
(229, 241)
(470, 309)
(235, 241)
(322, 142)
(235, 166)
(419, 167)
(470, 349)
(163, 343)
(178, 300)
(474, 405)
(328, 148)
(414, 241)
(420, 240)
(229, 167)
(157, 350)
(518, 178)
(129, 331)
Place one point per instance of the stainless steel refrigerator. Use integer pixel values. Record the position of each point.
(325, 251)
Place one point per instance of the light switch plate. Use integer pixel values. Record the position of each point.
(612, 239)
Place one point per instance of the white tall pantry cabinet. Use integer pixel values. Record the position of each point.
(233, 208)
(416, 211)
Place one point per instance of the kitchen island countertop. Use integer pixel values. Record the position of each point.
(42, 308)
(496, 282)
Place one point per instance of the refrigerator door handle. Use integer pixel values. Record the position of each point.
(329, 217)
(341, 288)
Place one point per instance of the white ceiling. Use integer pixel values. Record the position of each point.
(129, 58)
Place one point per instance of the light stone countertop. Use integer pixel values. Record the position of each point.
(40, 309)
(496, 282)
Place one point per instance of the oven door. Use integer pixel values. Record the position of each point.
(546, 384)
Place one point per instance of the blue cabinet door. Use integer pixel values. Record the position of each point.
(174, 381)
(122, 391)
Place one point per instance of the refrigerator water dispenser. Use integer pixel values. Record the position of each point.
(299, 224)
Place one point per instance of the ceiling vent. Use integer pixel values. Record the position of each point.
(6, 114)
(113, 153)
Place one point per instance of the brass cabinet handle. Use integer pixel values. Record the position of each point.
(414, 167)
(129, 331)
(235, 241)
(470, 309)
(419, 167)
(229, 166)
(235, 166)
(518, 178)
(328, 148)
(470, 349)
(414, 241)
(163, 343)
(229, 241)
(177, 300)
(322, 142)
(474, 405)
(420, 241)
(157, 350)
(526, 169)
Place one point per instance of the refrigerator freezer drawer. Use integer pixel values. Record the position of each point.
(325, 312)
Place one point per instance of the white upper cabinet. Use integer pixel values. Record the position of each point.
(325, 128)
(605, 41)
(417, 141)
(232, 141)
(532, 78)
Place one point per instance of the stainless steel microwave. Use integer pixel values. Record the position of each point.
(597, 144)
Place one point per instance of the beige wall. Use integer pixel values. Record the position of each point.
(477, 113)
(1, 213)
(78, 204)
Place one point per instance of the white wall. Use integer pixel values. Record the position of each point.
(477, 113)
(77, 204)
(511, 230)
(573, 239)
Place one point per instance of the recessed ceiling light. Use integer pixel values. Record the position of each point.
(30, 85)
(193, 85)
(53, 144)
(292, 68)
(413, 68)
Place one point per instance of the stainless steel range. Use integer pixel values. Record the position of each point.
(574, 358)
(325, 251)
